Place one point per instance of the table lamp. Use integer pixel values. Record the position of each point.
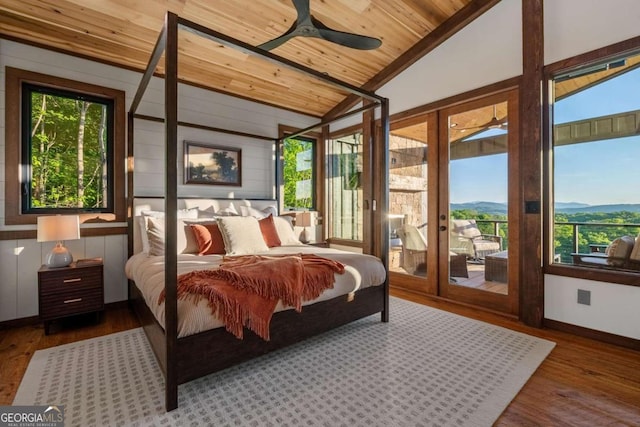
(303, 219)
(57, 228)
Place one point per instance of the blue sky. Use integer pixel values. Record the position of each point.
(604, 172)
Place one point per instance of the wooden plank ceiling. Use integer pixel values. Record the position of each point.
(123, 32)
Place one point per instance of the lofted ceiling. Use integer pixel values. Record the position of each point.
(123, 32)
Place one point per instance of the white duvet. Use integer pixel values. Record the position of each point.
(148, 273)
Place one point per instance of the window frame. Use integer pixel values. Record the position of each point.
(551, 72)
(360, 243)
(16, 79)
(314, 172)
(28, 89)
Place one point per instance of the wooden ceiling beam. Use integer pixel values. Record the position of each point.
(435, 38)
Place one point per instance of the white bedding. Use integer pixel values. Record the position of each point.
(148, 273)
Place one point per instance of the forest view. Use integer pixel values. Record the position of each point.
(68, 152)
(297, 174)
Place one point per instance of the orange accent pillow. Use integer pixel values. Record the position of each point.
(209, 239)
(269, 232)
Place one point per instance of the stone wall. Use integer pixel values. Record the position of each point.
(408, 179)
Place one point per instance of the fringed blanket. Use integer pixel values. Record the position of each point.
(244, 290)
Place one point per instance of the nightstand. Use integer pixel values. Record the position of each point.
(72, 290)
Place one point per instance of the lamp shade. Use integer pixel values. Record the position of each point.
(303, 219)
(58, 227)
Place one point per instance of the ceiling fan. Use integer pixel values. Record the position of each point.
(308, 26)
(494, 123)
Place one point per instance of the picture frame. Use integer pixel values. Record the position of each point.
(212, 164)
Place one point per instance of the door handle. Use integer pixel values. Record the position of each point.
(443, 217)
(443, 228)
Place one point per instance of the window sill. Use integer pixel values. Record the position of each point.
(84, 232)
(597, 274)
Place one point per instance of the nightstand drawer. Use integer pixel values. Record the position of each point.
(78, 279)
(73, 301)
(67, 291)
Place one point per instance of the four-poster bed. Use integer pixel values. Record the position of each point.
(188, 357)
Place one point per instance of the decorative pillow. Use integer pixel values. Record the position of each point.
(635, 253)
(619, 250)
(257, 213)
(182, 214)
(207, 213)
(284, 226)
(241, 235)
(209, 238)
(228, 211)
(269, 231)
(186, 241)
(141, 222)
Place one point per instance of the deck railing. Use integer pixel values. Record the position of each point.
(563, 252)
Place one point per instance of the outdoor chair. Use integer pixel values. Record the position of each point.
(623, 253)
(414, 253)
(466, 238)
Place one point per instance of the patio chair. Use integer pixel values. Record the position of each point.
(414, 253)
(623, 253)
(466, 238)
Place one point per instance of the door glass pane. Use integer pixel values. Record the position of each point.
(478, 197)
(345, 187)
(298, 174)
(596, 148)
(408, 200)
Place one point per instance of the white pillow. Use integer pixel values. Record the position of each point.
(284, 227)
(186, 240)
(257, 213)
(143, 226)
(228, 211)
(182, 214)
(141, 223)
(241, 235)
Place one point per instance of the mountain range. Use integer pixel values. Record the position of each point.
(561, 207)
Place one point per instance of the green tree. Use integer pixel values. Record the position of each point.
(292, 175)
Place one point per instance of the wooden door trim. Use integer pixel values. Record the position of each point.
(506, 303)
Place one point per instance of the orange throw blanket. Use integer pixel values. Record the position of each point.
(245, 290)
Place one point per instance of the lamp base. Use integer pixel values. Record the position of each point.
(58, 257)
(305, 236)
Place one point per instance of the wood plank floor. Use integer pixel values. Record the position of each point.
(582, 382)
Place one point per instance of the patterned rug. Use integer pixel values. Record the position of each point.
(425, 367)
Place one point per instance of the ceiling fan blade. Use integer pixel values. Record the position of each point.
(274, 43)
(351, 40)
(303, 9)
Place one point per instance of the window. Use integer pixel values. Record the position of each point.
(595, 152)
(299, 173)
(345, 187)
(64, 150)
(67, 139)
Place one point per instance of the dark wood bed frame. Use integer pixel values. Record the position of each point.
(185, 359)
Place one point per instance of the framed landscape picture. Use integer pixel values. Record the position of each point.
(212, 165)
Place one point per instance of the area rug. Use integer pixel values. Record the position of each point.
(426, 367)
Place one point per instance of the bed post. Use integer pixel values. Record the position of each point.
(384, 200)
(171, 210)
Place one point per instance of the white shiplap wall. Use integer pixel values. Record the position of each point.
(20, 259)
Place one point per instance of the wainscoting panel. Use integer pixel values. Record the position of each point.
(8, 289)
(21, 259)
(29, 253)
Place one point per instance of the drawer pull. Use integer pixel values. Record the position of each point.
(78, 279)
(72, 300)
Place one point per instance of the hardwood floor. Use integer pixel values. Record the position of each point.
(582, 382)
